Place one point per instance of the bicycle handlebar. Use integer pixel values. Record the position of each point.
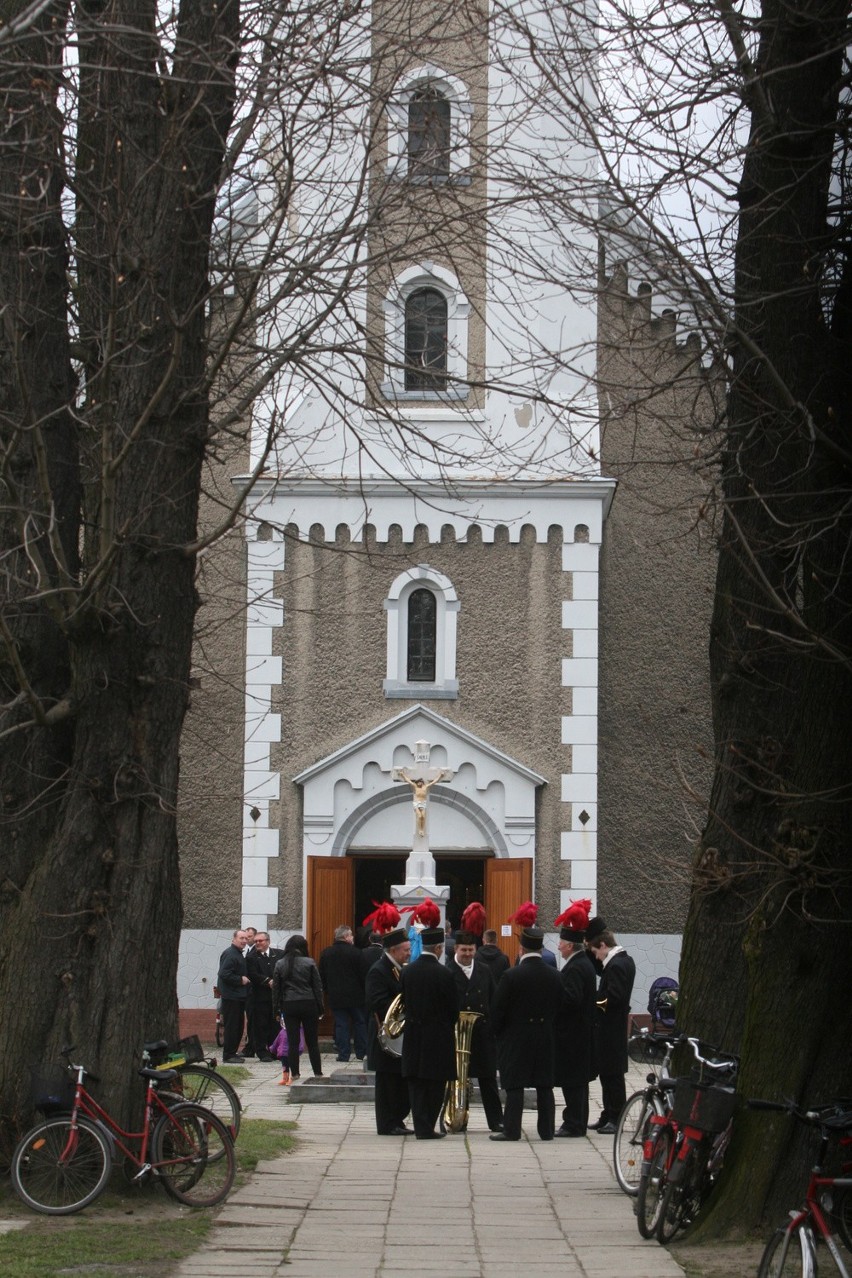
(724, 1066)
(833, 1115)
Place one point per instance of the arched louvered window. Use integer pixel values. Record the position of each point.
(428, 133)
(425, 340)
(422, 636)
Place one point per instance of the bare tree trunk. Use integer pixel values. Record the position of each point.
(89, 788)
(767, 951)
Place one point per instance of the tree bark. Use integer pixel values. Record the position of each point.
(766, 949)
(90, 890)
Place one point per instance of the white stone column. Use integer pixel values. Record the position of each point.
(264, 614)
(579, 844)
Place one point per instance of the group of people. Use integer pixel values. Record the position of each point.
(263, 988)
(541, 1027)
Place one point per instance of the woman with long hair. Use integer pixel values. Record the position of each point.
(297, 997)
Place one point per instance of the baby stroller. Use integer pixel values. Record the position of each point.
(662, 1003)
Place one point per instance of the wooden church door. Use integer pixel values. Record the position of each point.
(329, 903)
(508, 883)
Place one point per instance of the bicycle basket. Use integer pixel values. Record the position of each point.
(703, 1105)
(645, 1050)
(52, 1088)
(184, 1052)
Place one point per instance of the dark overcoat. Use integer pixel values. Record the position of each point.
(477, 995)
(492, 957)
(431, 1012)
(382, 984)
(575, 1025)
(526, 1004)
(616, 987)
(342, 975)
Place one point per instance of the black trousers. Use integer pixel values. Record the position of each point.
(302, 1016)
(514, 1108)
(233, 1023)
(427, 1098)
(613, 1095)
(264, 1027)
(491, 1102)
(392, 1101)
(575, 1115)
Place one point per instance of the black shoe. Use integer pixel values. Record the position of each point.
(402, 1130)
(593, 1127)
(564, 1131)
(608, 1129)
(498, 1128)
(247, 1054)
(266, 1057)
(233, 1060)
(502, 1136)
(432, 1136)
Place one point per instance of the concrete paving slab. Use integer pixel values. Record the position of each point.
(555, 1204)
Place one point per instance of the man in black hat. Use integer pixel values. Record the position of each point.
(574, 1030)
(476, 990)
(526, 1004)
(613, 1010)
(429, 1050)
(382, 984)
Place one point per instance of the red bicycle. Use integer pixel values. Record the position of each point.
(684, 1149)
(64, 1162)
(791, 1251)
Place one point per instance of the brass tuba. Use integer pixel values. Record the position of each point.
(457, 1095)
(391, 1028)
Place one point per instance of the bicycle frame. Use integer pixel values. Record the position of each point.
(812, 1218)
(85, 1103)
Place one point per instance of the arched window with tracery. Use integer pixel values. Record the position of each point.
(429, 123)
(425, 340)
(422, 609)
(422, 636)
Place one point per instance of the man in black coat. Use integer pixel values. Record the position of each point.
(429, 1047)
(342, 977)
(574, 1031)
(526, 1004)
(260, 964)
(491, 956)
(475, 987)
(613, 1010)
(383, 983)
(233, 983)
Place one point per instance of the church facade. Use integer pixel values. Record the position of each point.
(479, 544)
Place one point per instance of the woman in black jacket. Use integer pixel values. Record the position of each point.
(297, 996)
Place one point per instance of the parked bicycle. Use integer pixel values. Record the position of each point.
(685, 1148)
(634, 1123)
(791, 1251)
(64, 1162)
(198, 1079)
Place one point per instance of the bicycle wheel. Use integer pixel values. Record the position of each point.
(652, 1184)
(789, 1254)
(59, 1169)
(843, 1215)
(629, 1139)
(193, 1155)
(677, 1194)
(203, 1086)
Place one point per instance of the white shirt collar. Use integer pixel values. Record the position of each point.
(616, 949)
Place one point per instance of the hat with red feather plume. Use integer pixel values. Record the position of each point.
(385, 917)
(473, 918)
(426, 913)
(572, 923)
(525, 915)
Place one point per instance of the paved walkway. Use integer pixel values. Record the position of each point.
(350, 1201)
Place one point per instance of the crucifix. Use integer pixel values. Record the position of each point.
(421, 777)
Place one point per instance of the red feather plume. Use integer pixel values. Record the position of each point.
(427, 913)
(385, 917)
(576, 917)
(473, 918)
(525, 915)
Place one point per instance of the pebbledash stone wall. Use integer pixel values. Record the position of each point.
(658, 407)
